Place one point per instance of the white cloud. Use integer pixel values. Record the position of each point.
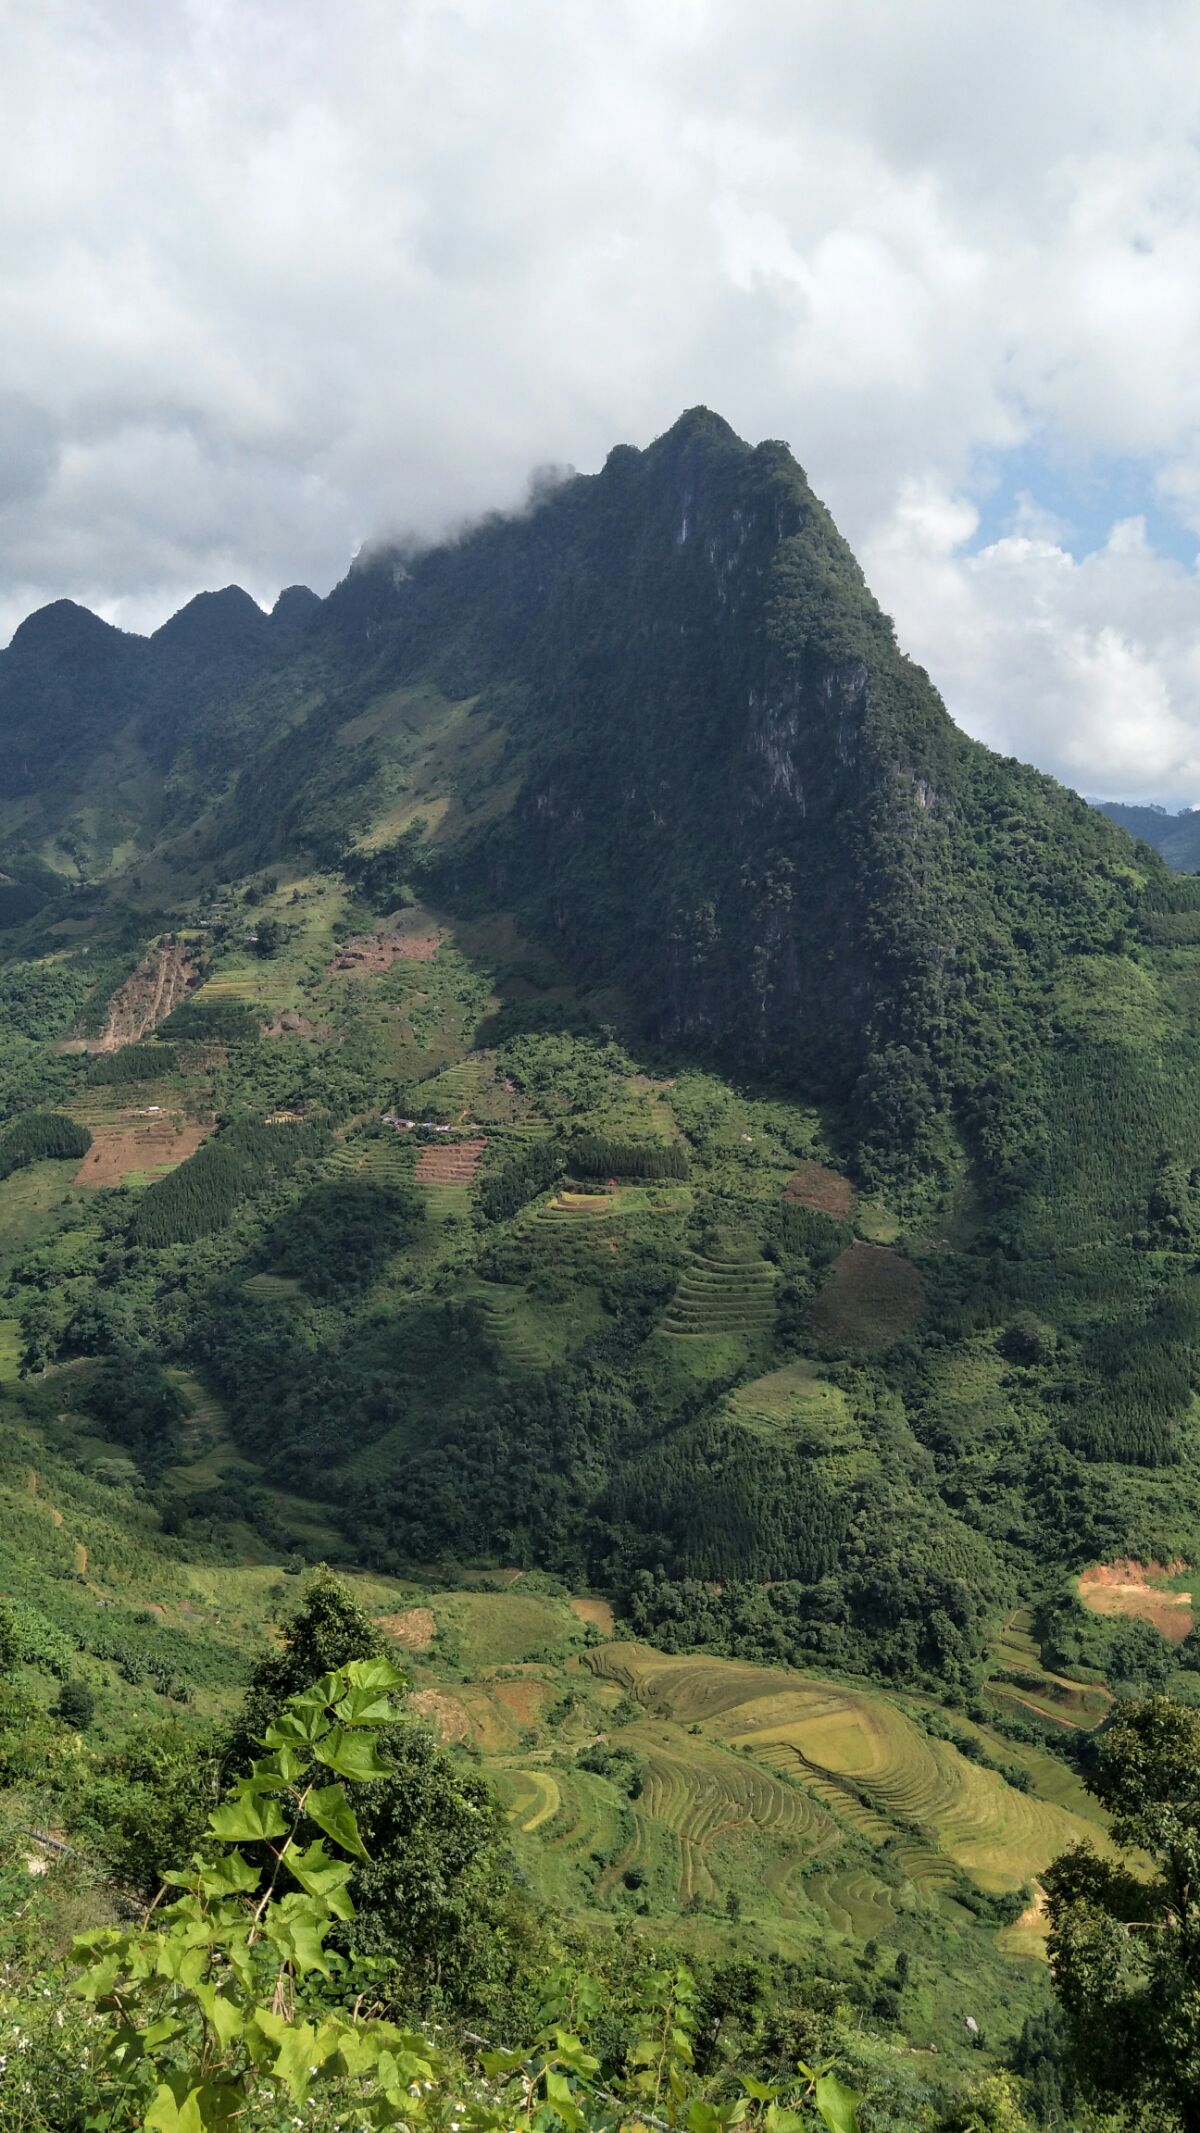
(273, 276)
(1089, 668)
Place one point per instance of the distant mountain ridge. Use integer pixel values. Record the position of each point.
(1177, 837)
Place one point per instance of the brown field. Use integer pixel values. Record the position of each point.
(598, 1612)
(366, 954)
(521, 1700)
(871, 1298)
(822, 1189)
(414, 1627)
(444, 1713)
(133, 1144)
(1129, 1588)
(453, 1164)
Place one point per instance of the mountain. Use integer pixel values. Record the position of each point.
(93, 718)
(621, 1091)
(1177, 837)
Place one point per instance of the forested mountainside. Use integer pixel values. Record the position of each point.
(560, 1062)
(1177, 837)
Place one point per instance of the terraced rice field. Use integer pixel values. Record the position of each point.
(864, 1759)
(266, 984)
(206, 1416)
(386, 1158)
(536, 1799)
(511, 1328)
(701, 1794)
(453, 1164)
(730, 1289)
(271, 1288)
(453, 1091)
(1056, 1696)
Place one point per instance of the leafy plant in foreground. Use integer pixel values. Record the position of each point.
(214, 2015)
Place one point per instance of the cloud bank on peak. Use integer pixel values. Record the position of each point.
(276, 283)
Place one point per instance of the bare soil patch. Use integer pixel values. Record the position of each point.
(162, 979)
(443, 1712)
(414, 1627)
(522, 1700)
(453, 1164)
(1128, 1588)
(598, 1612)
(410, 940)
(136, 1142)
(822, 1189)
(871, 1298)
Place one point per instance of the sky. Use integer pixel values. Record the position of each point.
(278, 277)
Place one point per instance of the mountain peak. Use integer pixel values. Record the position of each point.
(210, 613)
(65, 627)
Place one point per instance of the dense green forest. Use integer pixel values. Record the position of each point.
(658, 1111)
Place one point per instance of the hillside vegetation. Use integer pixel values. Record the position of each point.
(647, 1106)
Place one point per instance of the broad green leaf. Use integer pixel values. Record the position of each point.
(496, 2063)
(569, 2051)
(559, 2095)
(329, 1808)
(779, 2120)
(222, 2016)
(374, 1674)
(230, 1876)
(98, 1982)
(297, 1926)
(837, 2104)
(760, 2091)
(295, 2059)
(352, 1755)
(167, 2115)
(365, 1707)
(247, 1818)
(298, 1725)
(322, 1876)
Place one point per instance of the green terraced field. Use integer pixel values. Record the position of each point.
(865, 1759)
(796, 1400)
(386, 1158)
(729, 1289)
(271, 1288)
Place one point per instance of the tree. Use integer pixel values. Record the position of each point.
(76, 1705)
(1125, 1944)
(10, 1643)
(437, 1899)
